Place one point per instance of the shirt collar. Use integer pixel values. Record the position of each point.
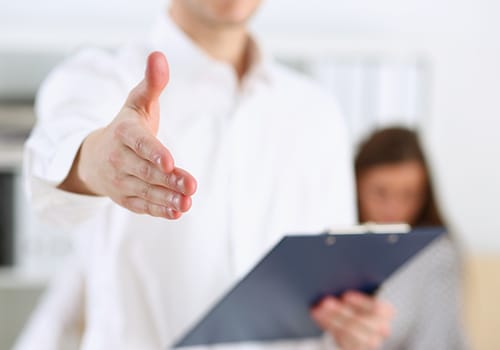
(190, 60)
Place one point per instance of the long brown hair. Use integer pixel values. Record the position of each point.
(396, 145)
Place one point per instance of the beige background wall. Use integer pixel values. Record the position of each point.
(482, 292)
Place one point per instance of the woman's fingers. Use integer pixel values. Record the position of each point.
(357, 321)
(379, 313)
(353, 338)
(367, 304)
(325, 312)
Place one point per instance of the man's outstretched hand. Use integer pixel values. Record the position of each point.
(126, 162)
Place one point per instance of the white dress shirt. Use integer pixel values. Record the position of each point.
(270, 154)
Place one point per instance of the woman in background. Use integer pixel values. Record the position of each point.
(394, 185)
(393, 180)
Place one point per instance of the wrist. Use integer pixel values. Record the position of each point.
(80, 178)
(87, 164)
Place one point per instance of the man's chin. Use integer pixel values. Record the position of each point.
(232, 23)
(230, 20)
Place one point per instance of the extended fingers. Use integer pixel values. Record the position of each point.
(145, 145)
(141, 206)
(135, 187)
(177, 180)
(184, 181)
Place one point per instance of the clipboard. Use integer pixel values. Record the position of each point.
(272, 302)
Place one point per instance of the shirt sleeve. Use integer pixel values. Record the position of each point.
(78, 97)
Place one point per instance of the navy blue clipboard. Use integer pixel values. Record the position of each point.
(273, 301)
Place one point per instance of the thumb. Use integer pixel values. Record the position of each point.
(144, 97)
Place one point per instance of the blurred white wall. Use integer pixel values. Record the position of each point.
(461, 38)
(463, 130)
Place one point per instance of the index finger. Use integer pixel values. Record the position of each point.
(184, 182)
(146, 146)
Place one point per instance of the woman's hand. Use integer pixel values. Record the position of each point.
(356, 321)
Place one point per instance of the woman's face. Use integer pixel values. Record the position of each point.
(392, 193)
